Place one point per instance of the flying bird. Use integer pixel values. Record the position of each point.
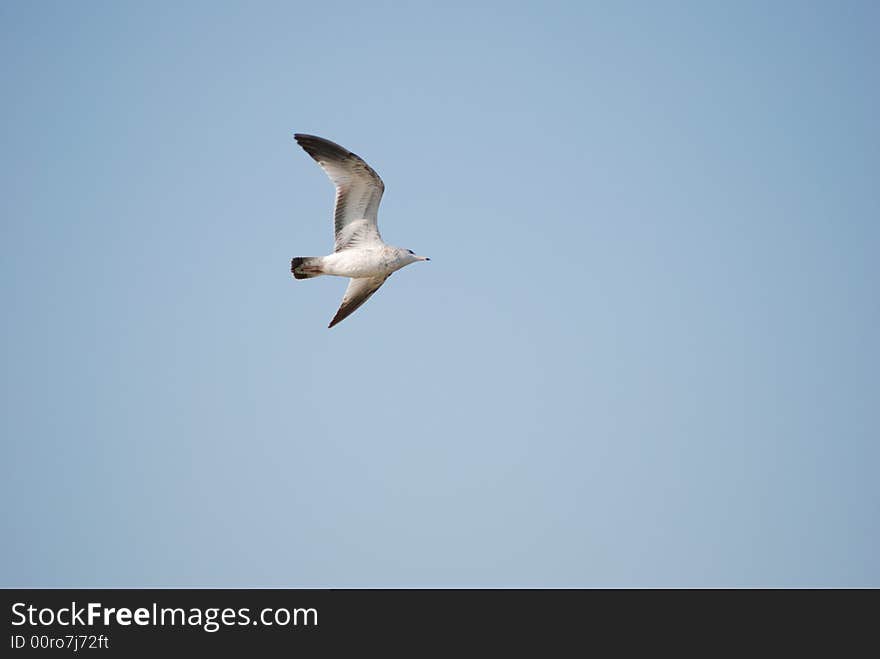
(359, 251)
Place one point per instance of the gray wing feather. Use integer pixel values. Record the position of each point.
(359, 291)
(358, 187)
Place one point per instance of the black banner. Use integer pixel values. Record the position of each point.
(125, 622)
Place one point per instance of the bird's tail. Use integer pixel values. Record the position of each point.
(305, 267)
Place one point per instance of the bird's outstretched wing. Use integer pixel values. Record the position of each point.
(359, 291)
(358, 189)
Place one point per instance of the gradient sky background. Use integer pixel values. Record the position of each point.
(645, 352)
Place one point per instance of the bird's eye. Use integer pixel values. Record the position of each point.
(410, 251)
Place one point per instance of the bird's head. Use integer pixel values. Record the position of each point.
(408, 256)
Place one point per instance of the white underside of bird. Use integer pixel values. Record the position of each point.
(359, 251)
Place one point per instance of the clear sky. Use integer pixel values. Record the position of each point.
(645, 351)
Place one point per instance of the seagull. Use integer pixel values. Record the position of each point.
(359, 251)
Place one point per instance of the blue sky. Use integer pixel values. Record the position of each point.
(645, 351)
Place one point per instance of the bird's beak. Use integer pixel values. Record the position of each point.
(423, 258)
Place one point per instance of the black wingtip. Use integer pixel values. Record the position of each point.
(320, 147)
(339, 317)
(303, 139)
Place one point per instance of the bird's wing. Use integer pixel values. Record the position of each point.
(358, 187)
(359, 291)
